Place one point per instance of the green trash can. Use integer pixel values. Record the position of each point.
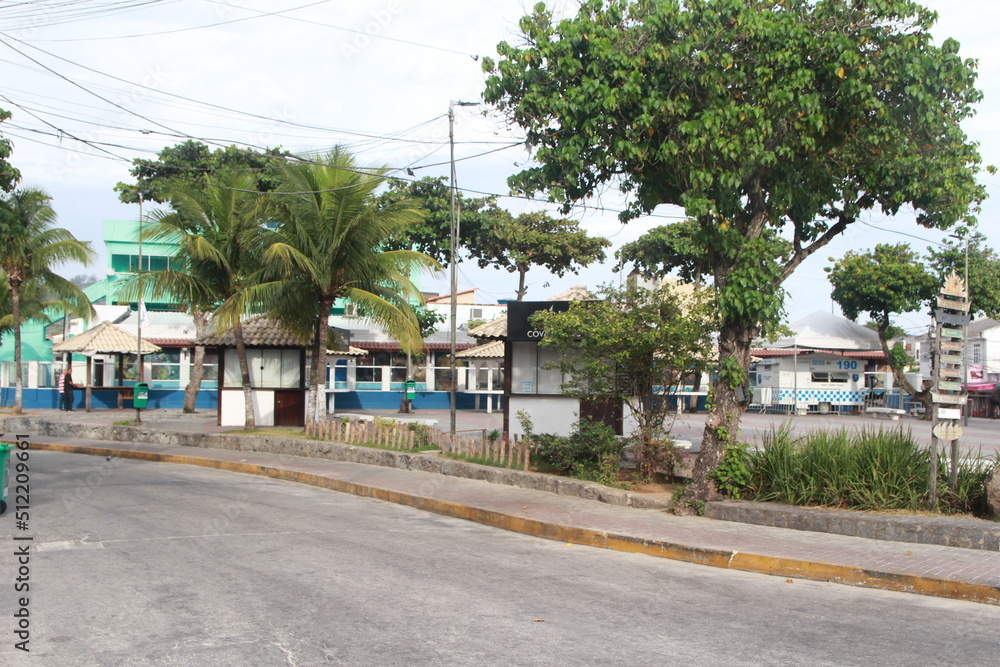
(141, 395)
(411, 390)
(4, 460)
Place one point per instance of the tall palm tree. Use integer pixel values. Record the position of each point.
(31, 246)
(218, 229)
(327, 245)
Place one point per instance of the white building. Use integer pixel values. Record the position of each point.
(828, 363)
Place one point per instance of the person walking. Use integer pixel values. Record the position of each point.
(66, 387)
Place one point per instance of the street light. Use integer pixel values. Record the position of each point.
(453, 240)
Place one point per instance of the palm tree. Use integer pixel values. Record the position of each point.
(30, 247)
(218, 229)
(327, 246)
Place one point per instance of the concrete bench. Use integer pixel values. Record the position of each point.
(891, 413)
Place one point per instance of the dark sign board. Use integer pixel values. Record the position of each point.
(519, 312)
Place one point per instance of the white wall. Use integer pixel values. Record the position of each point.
(549, 414)
(233, 409)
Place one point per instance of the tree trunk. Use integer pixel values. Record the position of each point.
(15, 302)
(922, 395)
(318, 366)
(404, 405)
(723, 420)
(200, 318)
(522, 271)
(241, 352)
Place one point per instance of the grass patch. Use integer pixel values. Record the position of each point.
(868, 470)
(123, 422)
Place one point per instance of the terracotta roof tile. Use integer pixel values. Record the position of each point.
(105, 337)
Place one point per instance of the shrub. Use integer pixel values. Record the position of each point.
(591, 447)
(421, 434)
(866, 470)
(732, 477)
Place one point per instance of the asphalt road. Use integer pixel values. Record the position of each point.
(156, 564)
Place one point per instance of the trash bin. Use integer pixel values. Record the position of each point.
(411, 390)
(4, 459)
(141, 395)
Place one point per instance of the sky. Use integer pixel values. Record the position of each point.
(93, 84)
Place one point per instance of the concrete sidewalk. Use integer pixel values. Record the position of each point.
(966, 574)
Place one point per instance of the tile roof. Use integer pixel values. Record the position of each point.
(105, 337)
(787, 352)
(260, 332)
(491, 350)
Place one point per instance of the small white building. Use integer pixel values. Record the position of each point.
(982, 355)
(828, 364)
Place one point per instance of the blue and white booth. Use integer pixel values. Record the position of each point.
(827, 365)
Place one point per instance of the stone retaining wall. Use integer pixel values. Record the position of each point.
(334, 451)
(946, 531)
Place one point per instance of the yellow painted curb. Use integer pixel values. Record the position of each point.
(784, 567)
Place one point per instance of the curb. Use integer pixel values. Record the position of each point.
(722, 558)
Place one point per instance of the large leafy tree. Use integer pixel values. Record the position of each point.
(9, 175)
(633, 347)
(536, 239)
(797, 116)
(32, 245)
(329, 244)
(891, 279)
(188, 166)
(218, 229)
(431, 234)
(984, 270)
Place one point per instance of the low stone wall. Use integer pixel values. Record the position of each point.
(945, 531)
(336, 452)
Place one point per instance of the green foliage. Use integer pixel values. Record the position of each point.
(731, 373)
(493, 435)
(984, 270)
(632, 346)
(386, 422)
(591, 450)
(733, 476)
(32, 245)
(890, 279)
(751, 291)
(898, 357)
(527, 426)
(796, 116)
(536, 239)
(9, 175)
(431, 234)
(189, 165)
(710, 105)
(421, 434)
(891, 332)
(866, 470)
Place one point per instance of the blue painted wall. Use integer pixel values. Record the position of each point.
(103, 400)
(208, 400)
(389, 400)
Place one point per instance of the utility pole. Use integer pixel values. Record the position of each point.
(453, 261)
(138, 324)
(967, 408)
